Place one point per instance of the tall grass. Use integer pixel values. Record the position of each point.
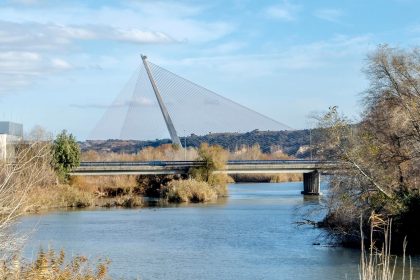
(286, 177)
(254, 153)
(103, 185)
(162, 152)
(170, 152)
(60, 196)
(52, 266)
(190, 190)
(379, 264)
(267, 178)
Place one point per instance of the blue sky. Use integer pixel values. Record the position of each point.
(62, 62)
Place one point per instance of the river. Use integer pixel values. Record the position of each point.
(250, 235)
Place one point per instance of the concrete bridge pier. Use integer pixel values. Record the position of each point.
(311, 183)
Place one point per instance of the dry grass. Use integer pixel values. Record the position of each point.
(190, 191)
(163, 152)
(169, 152)
(65, 196)
(60, 196)
(101, 185)
(379, 264)
(286, 177)
(52, 266)
(219, 183)
(126, 201)
(254, 153)
(268, 178)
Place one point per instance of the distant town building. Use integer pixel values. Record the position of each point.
(10, 134)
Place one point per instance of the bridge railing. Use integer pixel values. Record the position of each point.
(198, 163)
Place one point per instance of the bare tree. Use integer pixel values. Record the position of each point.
(380, 156)
(18, 175)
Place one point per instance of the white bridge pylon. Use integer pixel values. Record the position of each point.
(165, 113)
(157, 103)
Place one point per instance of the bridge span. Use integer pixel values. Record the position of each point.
(311, 169)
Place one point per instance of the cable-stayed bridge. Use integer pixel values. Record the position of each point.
(158, 102)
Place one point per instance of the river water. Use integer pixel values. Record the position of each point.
(250, 235)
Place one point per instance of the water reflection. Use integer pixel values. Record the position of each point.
(252, 234)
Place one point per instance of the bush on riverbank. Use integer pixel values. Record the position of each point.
(153, 185)
(219, 183)
(125, 201)
(202, 186)
(214, 158)
(190, 190)
(65, 155)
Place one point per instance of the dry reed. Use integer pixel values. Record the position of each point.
(52, 266)
(190, 191)
(60, 196)
(379, 264)
(100, 185)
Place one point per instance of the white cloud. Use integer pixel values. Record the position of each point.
(40, 36)
(21, 68)
(55, 32)
(60, 64)
(284, 11)
(313, 56)
(20, 63)
(332, 15)
(139, 36)
(176, 20)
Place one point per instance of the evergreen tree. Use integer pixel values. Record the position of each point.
(66, 154)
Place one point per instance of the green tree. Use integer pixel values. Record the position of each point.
(66, 154)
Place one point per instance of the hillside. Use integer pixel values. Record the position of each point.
(293, 143)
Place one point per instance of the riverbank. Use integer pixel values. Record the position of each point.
(130, 191)
(42, 199)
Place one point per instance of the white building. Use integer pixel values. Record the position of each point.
(10, 134)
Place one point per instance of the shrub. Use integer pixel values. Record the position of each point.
(219, 183)
(190, 191)
(214, 158)
(129, 201)
(154, 185)
(66, 154)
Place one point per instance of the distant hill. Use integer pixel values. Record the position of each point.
(294, 143)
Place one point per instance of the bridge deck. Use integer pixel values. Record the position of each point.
(182, 167)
